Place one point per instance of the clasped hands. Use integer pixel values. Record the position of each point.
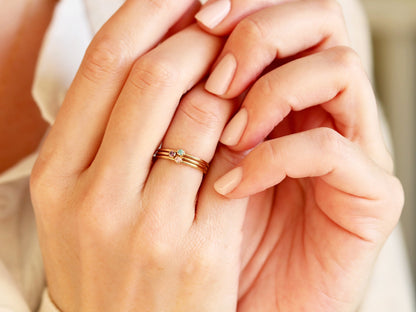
(294, 224)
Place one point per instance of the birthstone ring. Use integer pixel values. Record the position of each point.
(180, 157)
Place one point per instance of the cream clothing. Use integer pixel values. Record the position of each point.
(22, 279)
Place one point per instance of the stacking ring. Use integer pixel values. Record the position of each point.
(180, 157)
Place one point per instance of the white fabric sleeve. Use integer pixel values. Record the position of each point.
(21, 268)
(47, 305)
(11, 298)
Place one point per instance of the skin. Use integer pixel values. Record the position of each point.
(290, 236)
(319, 166)
(121, 205)
(27, 21)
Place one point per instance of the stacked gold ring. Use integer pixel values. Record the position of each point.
(180, 157)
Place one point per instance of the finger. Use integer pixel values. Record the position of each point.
(148, 102)
(332, 79)
(218, 216)
(195, 128)
(279, 31)
(360, 190)
(219, 223)
(220, 17)
(134, 29)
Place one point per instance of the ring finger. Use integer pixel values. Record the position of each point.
(195, 128)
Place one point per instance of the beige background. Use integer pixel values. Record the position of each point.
(393, 26)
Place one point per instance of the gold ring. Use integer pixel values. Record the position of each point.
(180, 157)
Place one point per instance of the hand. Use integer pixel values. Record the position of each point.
(117, 231)
(323, 197)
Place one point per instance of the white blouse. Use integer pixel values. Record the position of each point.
(22, 280)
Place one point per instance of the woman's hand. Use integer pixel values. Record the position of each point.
(117, 231)
(326, 198)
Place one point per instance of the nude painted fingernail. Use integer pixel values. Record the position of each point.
(229, 181)
(213, 14)
(235, 128)
(220, 79)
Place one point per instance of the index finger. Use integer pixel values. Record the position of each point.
(134, 29)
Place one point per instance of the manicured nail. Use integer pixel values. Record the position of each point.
(235, 128)
(221, 77)
(229, 181)
(212, 14)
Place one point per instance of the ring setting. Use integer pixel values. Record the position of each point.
(179, 156)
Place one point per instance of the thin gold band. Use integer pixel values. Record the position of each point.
(180, 157)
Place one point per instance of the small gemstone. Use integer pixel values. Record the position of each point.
(178, 159)
(172, 154)
(181, 152)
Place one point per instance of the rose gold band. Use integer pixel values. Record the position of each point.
(180, 157)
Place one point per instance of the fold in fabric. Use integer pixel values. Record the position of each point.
(71, 30)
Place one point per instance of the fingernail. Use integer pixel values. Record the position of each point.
(212, 14)
(221, 77)
(229, 181)
(235, 128)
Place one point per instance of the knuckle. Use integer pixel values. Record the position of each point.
(153, 73)
(160, 251)
(158, 4)
(104, 59)
(270, 151)
(330, 141)
(332, 6)
(199, 111)
(268, 87)
(156, 251)
(346, 58)
(252, 29)
(202, 262)
(43, 187)
(36, 177)
(265, 86)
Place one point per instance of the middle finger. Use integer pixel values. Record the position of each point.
(147, 103)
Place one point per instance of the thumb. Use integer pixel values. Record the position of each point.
(219, 17)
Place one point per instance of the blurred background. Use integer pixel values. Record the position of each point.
(393, 26)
